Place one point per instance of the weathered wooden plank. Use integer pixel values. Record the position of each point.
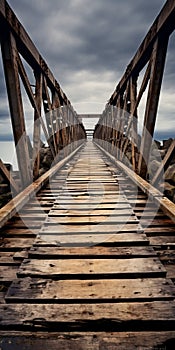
(86, 220)
(170, 271)
(93, 228)
(14, 244)
(98, 207)
(84, 175)
(114, 268)
(86, 178)
(6, 258)
(166, 255)
(28, 215)
(87, 341)
(160, 223)
(37, 208)
(81, 193)
(84, 204)
(107, 187)
(8, 273)
(22, 233)
(88, 212)
(74, 240)
(160, 230)
(31, 224)
(121, 316)
(93, 252)
(149, 214)
(162, 240)
(20, 255)
(122, 290)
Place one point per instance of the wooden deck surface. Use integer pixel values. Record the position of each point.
(84, 265)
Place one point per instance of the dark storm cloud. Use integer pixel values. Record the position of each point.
(88, 44)
(95, 35)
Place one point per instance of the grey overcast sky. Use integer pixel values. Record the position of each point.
(87, 45)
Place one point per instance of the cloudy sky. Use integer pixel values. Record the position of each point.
(87, 45)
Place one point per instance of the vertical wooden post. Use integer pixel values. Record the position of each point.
(120, 104)
(72, 129)
(48, 112)
(134, 107)
(10, 54)
(134, 138)
(157, 69)
(56, 105)
(37, 125)
(105, 131)
(123, 116)
(113, 129)
(63, 130)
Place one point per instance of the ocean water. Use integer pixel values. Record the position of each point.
(8, 154)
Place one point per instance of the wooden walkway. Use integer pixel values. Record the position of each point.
(80, 263)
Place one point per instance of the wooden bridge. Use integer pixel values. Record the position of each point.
(87, 248)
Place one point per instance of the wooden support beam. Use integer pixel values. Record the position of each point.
(113, 129)
(134, 133)
(120, 104)
(164, 164)
(9, 177)
(33, 101)
(134, 109)
(48, 112)
(143, 87)
(37, 128)
(156, 75)
(10, 61)
(56, 104)
(124, 119)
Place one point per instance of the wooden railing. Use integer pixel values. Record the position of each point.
(118, 126)
(60, 124)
